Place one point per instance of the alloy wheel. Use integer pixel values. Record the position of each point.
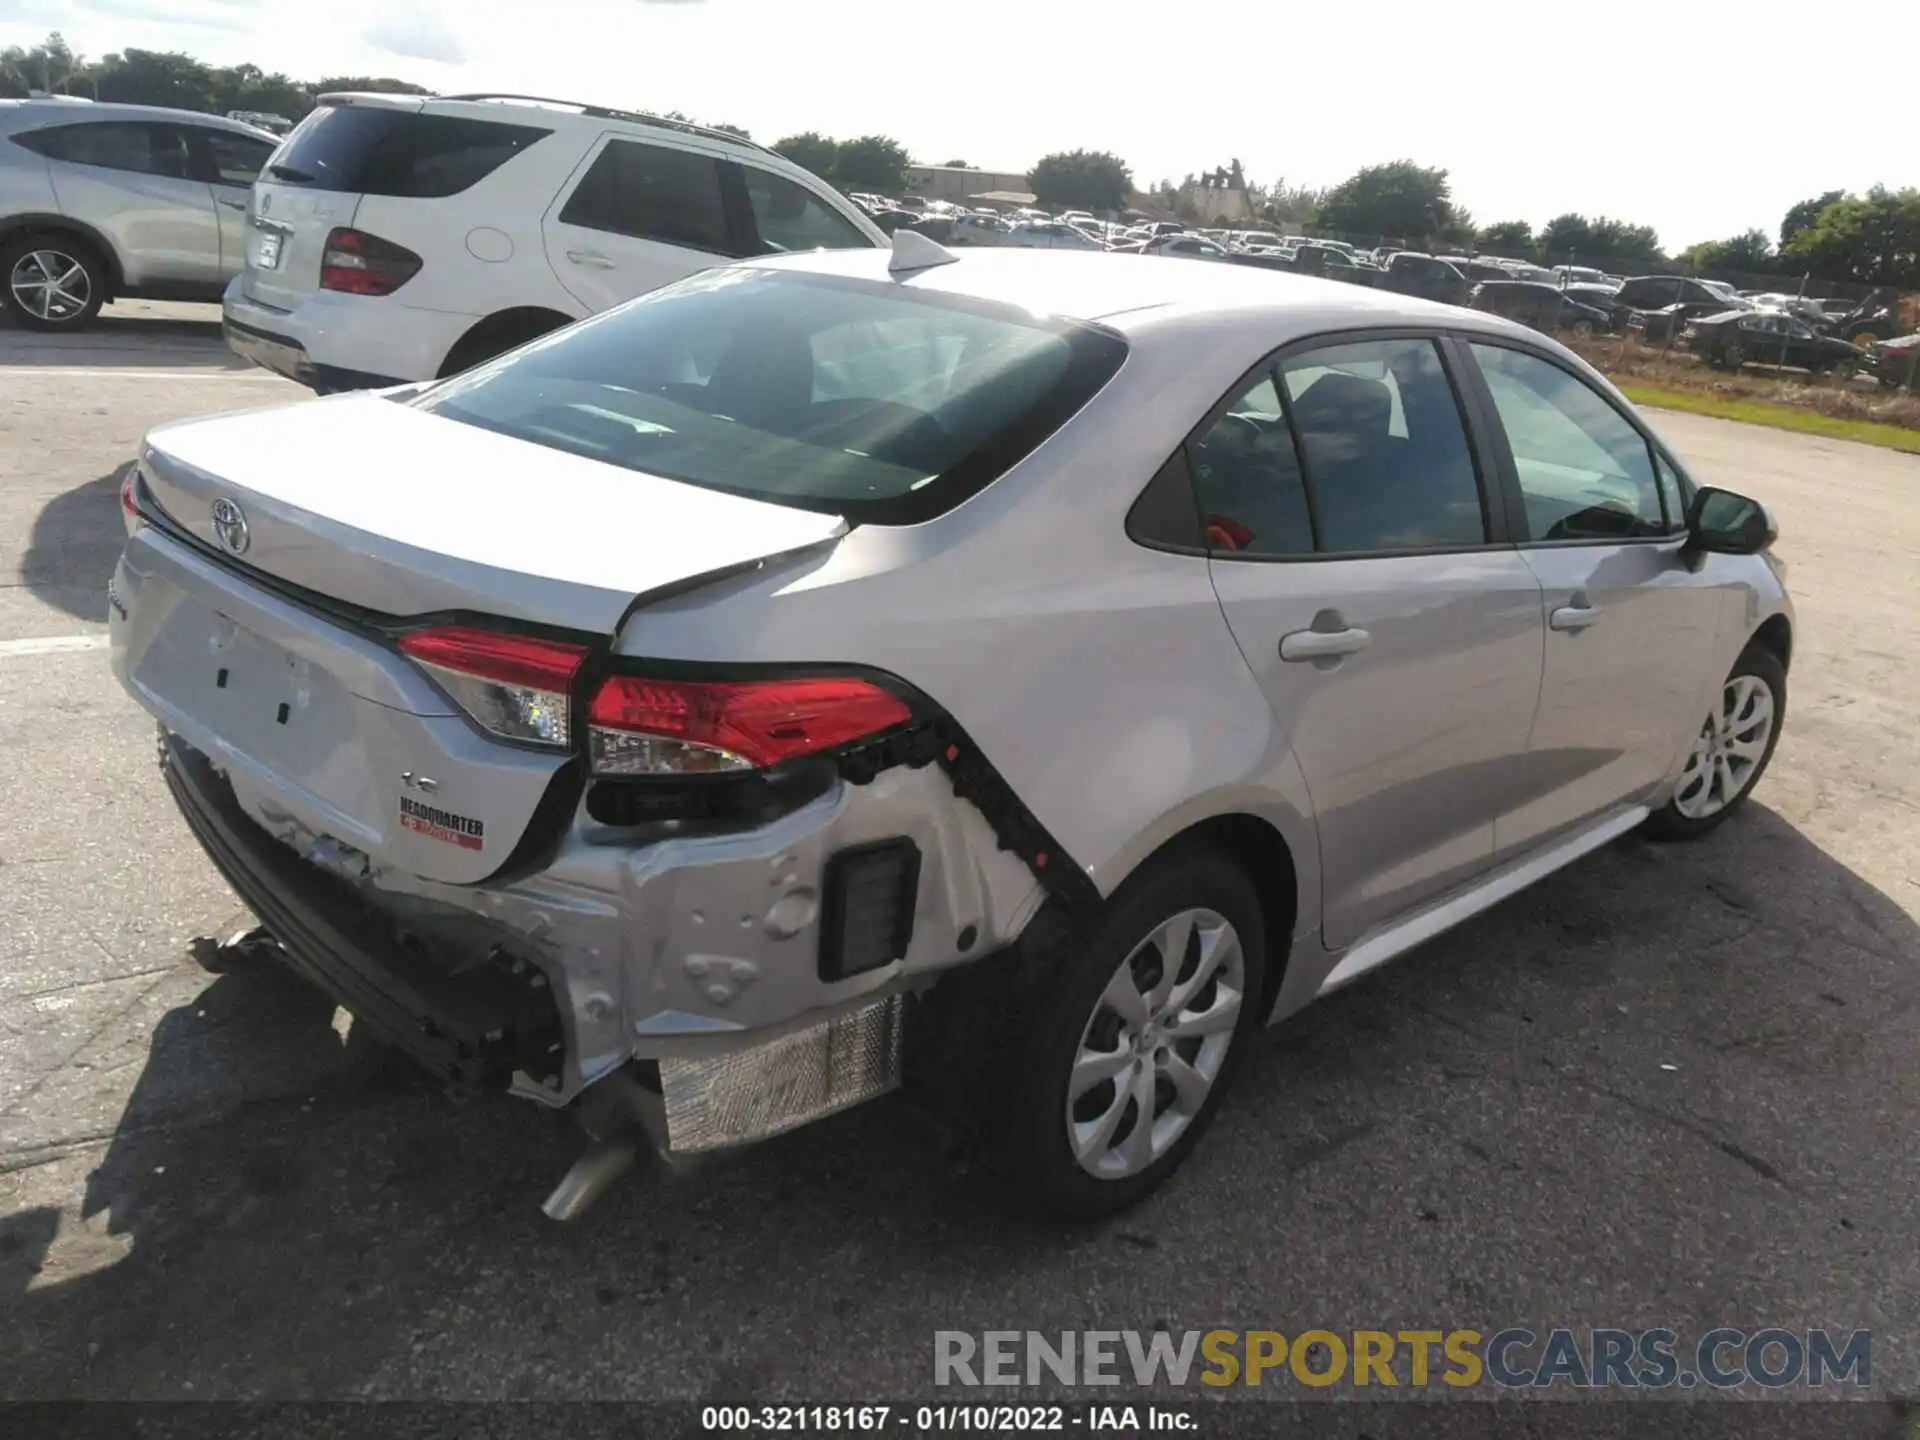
(50, 285)
(1729, 749)
(1154, 1047)
(1735, 356)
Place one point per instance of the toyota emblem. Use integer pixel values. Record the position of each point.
(230, 525)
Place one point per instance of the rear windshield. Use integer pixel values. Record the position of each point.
(371, 150)
(873, 401)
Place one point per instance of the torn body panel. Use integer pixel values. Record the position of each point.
(699, 945)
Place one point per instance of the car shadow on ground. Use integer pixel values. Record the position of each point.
(1601, 1095)
(76, 542)
(129, 338)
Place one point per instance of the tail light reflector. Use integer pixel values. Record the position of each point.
(357, 263)
(130, 499)
(640, 726)
(513, 686)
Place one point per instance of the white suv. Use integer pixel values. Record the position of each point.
(395, 238)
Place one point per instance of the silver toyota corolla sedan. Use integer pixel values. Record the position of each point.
(1020, 674)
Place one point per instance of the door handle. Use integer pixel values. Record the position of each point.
(233, 204)
(1577, 614)
(1323, 644)
(591, 258)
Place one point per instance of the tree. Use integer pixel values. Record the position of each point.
(1398, 198)
(1873, 239)
(1512, 238)
(50, 66)
(1575, 236)
(1802, 216)
(955, 165)
(1746, 253)
(732, 130)
(1081, 180)
(873, 162)
(156, 77)
(1291, 204)
(810, 150)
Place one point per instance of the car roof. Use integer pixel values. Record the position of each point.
(1135, 294)
(36, 111)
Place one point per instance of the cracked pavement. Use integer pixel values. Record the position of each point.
(1669, 1086)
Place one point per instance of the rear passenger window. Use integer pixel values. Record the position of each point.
(1585, 473)
(790, 217)
(142, 149)
(1246, 474)
(652, 193)
(1387, 461)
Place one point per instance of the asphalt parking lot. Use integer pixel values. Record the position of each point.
(1671, 1086)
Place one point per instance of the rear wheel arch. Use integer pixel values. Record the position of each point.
(498, 333)
(1263, 854)
(15, 227)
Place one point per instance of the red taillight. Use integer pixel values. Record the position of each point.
(130, 499)
(515, 686)
(357, 263)
(638, 726)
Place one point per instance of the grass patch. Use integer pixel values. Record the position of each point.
(1778, 416)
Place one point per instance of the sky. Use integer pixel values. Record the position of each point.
(1533, 109)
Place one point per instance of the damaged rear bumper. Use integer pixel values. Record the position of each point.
(710, 956)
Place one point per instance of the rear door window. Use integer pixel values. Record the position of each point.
(1387, 460)
(787, 216)
(653, 192)
(139, 147)
(373, 150)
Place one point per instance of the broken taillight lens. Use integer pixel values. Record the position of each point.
(514, 686)
(638, 726)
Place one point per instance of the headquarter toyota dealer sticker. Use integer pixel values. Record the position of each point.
(437, 824)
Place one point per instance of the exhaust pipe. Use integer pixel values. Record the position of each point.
(590, 1177)
(621, 1115)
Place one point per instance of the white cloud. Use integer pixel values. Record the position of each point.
(414, 30)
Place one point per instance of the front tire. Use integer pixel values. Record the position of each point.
(51, 282)
(1136, 1039)
(1732, 750)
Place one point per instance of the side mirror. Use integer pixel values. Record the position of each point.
(1723, 523)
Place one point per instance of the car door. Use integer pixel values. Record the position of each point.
(230, 162)
(134, 180)
(636, 215)
(1366, 581)
(1629, 624)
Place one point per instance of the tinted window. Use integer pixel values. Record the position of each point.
(232, 159)
(1388, 466)
(867, 400)
(371, 150)
(141, 148)
(791, 217)
(652, 193)
(1246, 475)
(1585, 473)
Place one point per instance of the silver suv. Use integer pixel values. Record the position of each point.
(1029, 671)
(100, 202)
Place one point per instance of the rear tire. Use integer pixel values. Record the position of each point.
(52, 282)
(1080, 1149)
(1726, 760)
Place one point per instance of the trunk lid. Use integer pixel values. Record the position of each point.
(366, 500)
(333, 741)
